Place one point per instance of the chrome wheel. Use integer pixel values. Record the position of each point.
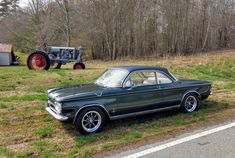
(190, 103)
(91, 121)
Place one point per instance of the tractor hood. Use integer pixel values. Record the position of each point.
(75, 92)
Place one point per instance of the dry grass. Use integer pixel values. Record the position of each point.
(27, 130)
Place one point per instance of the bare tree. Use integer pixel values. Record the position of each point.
(111, 29)
(65, 9)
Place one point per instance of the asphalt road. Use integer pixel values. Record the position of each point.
(213, 142)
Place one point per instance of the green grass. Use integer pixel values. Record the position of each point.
(7, 87)
(42, 97)
(133, 136)
(38, 89)
(44, 131)
(24, 154)
(5, 151)
(82, 140)
(46, 118)
(87, 152)
(25, 123)
(48, 150)
(8, 107)
(110, 145)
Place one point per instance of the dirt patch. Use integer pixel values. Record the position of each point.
(19, 147)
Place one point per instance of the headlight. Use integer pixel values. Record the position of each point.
(58, 107)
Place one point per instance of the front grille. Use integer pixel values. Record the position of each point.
(51, 105)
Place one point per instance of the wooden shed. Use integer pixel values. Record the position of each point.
(6, 52)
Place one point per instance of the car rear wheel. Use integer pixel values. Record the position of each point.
(38, 61)
(90, 120)
(190, 103)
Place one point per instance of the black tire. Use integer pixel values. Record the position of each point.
(56, 65)
(190, 103)
(79, 66)
(80, 126)
(42, 54)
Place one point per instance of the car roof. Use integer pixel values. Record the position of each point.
(139, 67)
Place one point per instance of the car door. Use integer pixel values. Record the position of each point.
(171, 92)
(141, 93)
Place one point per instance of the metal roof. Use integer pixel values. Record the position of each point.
(5, 48)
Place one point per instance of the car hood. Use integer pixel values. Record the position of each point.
(75, 92)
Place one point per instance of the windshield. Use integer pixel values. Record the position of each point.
(112, 78)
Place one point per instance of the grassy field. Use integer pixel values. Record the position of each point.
(26, 130)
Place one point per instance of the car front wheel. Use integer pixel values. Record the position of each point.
(190, 103)
(90, 120)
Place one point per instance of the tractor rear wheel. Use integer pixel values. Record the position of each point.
(38, 61)
(79, 66)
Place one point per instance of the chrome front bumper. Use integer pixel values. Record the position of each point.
(55, 115)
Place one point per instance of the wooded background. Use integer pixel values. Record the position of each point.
(111, 29)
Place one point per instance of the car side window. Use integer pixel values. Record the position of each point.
(141, 78)
(162, 78)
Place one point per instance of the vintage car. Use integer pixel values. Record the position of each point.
(124, 91)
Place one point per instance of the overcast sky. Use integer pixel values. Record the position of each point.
(23, 3)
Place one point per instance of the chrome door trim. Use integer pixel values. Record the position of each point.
(143, 112)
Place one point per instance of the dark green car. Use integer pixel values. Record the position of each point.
(124, 91)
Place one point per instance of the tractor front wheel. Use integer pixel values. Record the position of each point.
(79, 66)
(38, 61)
